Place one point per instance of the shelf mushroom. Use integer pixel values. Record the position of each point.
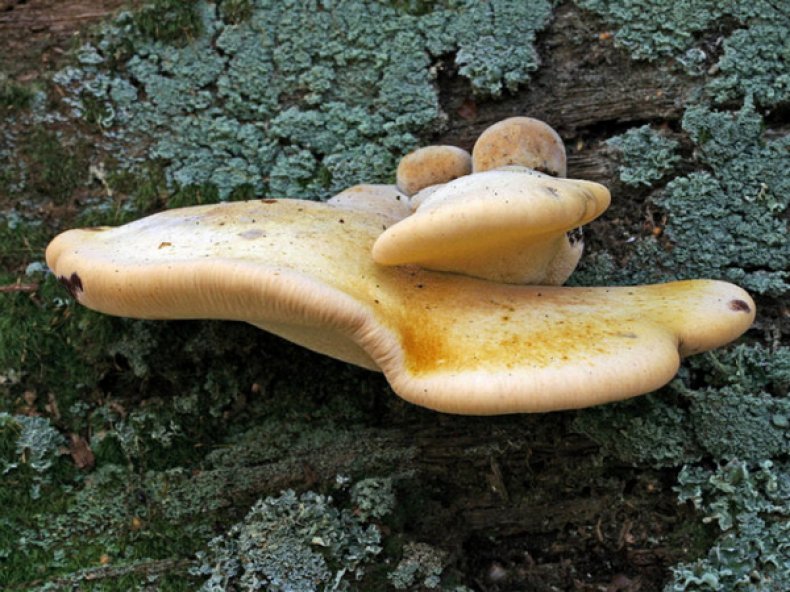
(511, 225)
(449, 342)
(508, 221)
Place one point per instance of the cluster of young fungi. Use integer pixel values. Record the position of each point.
(449, 282)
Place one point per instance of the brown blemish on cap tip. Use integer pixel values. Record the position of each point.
(73, 284)
(739, 306)
(269, 201)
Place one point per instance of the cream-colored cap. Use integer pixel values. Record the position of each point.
(508, 225)
(445, 341)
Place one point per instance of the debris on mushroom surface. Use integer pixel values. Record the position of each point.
(310, 272)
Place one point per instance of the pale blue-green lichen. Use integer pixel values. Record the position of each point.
(649, 30)
(421, 566)
(756, 62)
(756, 56)
(727, 220)
(651, 430)
(750, 504)
(373, 498)
(646, 155)
(290, 542)
(28, 442)
(298, 99)
(741, 411)
(731, 221)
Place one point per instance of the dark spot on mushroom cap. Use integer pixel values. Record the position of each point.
(627, 335)
(739, 306)
(268, 201)
(575, 236)
(547, 170)
(73, 284)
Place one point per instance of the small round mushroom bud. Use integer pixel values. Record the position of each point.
(431, 165)
(521, 141)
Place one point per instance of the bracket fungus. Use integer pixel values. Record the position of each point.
(510, 225)
(447, 341)
(512, 221)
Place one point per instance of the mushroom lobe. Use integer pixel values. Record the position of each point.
(508, 225)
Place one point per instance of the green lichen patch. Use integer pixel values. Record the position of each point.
(730, 221)
(743, 410)
(291, 98)
(755, 56)
(724, 405)
(750, 504)
(649, 30)
(756, 62)
(291, 542)
(421, 566)
(30, 456)
(646, 155)
(650, 430)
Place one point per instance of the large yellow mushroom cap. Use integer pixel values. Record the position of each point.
(452, 343)
(508, 225)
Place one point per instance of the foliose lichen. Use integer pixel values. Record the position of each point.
(740, 411)
(649, 30)
(32, 442)
(295, 99)
(750, 504)
(648, 430)
(290, 542)
(646, 155)
(421, 565)
(756, 62)
(731, 221)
